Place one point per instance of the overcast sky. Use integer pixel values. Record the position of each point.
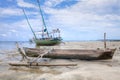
(77, 19)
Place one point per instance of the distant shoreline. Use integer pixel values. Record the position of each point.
(69, 40)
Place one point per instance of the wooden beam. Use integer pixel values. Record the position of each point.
(105, 40)
(43, 64)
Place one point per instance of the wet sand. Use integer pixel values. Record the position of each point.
(85, 70)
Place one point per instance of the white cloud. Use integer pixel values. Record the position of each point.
(52, 3)
(10, 12)
(90, 16)
(9, 0)
(19, 29)
(3, 35)
(22, 3)
(13, 31)
(98, 6)
(77, 18)
(99, 2)
(102, 3)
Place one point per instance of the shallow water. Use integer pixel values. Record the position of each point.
(10, 45)
(85, 70)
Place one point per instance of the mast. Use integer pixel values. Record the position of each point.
(29, 24)
(43, 18)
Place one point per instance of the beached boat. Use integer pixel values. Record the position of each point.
(44, 38)
(71, 53)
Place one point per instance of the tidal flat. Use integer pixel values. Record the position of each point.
(85, 70)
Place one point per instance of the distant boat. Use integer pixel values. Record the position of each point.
(46, 39)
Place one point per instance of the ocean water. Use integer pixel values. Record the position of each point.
(8, 50)
(11, 45)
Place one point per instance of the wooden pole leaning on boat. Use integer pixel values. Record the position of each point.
(21, 52)
(41, 55)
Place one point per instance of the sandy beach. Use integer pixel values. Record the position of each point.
(85, 70)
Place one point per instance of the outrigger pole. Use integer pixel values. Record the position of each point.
(29, 24)
(43, 18)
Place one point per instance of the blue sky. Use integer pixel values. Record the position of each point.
(77, 19)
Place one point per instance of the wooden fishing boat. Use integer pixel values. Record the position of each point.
(45, 38)
(71, 53)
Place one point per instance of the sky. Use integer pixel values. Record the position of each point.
(77, 19)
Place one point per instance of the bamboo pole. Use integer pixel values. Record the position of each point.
(24, 57)
(42, 64)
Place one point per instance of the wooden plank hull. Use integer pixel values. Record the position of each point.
(72, 53)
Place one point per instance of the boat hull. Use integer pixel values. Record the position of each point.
(71, 54)
(47, 42)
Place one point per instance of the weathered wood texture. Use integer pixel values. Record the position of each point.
(72, 53)
(42, 64)
(105, 41)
